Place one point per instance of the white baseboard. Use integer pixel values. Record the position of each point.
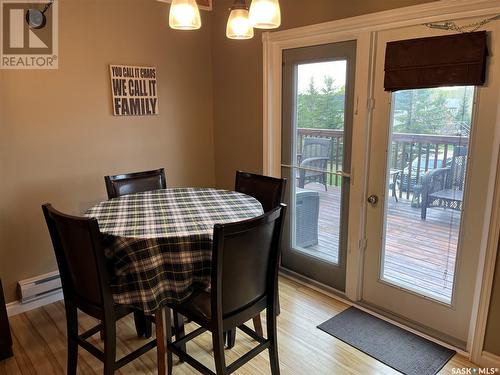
(16, 307)
(489, 360)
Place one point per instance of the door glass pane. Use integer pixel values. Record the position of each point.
(430, 130)
(319, 146)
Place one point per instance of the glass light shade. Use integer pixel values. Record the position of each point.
(265, 14)
(184, 15)
(239, 25)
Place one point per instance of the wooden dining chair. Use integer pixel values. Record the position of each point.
(269, 191)
(5, 336)
(136, 182)
(131, 183)
(83, 268)
(244, 279)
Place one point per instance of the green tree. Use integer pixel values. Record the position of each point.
(422, 111)
(463, 114)
(307, 106)
(321, 109)
(433, 111)
(419, 111)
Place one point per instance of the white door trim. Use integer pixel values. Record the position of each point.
(487, 260)
(362, 28)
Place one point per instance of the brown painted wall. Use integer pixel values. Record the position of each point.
(492, 338)
(58, 137)
(237, 76)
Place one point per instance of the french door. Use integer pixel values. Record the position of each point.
(318, 90)
(429, 167)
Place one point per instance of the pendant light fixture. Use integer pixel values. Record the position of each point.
(184, 15)
(238, 23)
(265, 14)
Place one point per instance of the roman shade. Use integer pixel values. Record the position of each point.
(448, 60)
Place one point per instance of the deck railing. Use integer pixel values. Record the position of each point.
(422, 151)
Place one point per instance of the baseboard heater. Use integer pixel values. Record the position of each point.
(39, 287)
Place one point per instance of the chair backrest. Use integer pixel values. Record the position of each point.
(458, 168)
(269, 191)
(137, 182)
(316, 147)
(245, 261)
(80, 257)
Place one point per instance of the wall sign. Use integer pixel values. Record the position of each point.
(134, 90)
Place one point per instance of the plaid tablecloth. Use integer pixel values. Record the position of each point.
(160, 242)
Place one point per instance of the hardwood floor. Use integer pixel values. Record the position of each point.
(40, 343)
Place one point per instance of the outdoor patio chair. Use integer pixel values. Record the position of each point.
(394, 177)
(316, 153)
(443, 187)
(306, 217)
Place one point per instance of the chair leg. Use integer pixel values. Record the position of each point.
(109, 347)
(219, 356)
(140, 323)
(101, 332)
(423, 212)
(278, 305)
(230, 338)
(179, 329)
(148, 328)
(257, 324)
(160, 341)
(302, 179)
(168, 339)
(272, 337)
(72, 333)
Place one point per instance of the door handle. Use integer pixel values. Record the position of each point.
(372, 199)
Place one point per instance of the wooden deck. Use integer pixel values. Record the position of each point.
(419, 254)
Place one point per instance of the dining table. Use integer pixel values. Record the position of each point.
(159, 243)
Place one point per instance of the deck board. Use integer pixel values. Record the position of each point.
(420, 254)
